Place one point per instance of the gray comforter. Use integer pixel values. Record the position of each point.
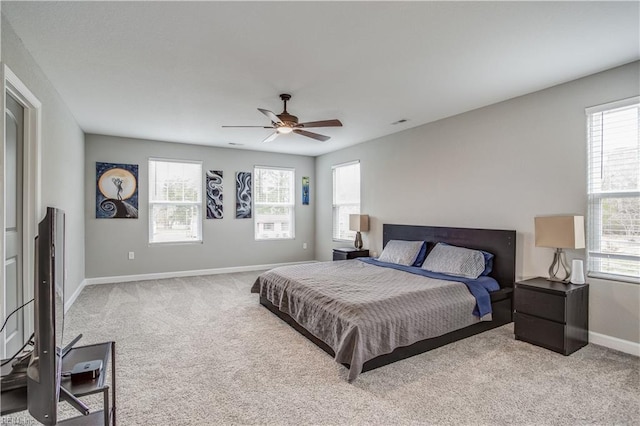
(362, 311)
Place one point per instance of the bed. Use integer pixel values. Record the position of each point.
(367, 314)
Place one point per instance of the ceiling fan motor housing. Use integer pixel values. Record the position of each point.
(288, 119)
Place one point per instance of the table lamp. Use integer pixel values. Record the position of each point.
(358, 223)
(560, 232)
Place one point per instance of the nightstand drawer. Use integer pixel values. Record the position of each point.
(543, 305)
(547, 334)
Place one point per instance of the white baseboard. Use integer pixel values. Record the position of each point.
(177, 274)
(625, 346)
(74, 296)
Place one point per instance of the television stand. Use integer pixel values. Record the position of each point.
(101, 351)
(15, 400)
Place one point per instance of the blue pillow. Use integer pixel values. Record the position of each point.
(422, 255)
(488, 262)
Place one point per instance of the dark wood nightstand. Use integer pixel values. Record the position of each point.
(349, 253)
(551, 314)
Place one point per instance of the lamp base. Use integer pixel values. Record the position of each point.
(559, 262)
(358, 242)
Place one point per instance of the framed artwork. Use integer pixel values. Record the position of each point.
(116, 191)
(305, 190)
(214, 194)
(243, 195)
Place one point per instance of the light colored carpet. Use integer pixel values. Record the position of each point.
(202, 351)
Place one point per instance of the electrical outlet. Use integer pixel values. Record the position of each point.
(132, 255)
(374, 254)
(304, 246)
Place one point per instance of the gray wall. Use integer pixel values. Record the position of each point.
(228, 242)
(495, 167)
(62, 155)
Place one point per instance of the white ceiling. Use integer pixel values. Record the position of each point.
(178, 71)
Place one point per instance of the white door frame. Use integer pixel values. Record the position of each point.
(31, 188)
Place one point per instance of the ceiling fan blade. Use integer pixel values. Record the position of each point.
(258, 127)
(274, 118)
(271, 137)
(323, 123)
(312, 135)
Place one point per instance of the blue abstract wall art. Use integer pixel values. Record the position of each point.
(305, 190)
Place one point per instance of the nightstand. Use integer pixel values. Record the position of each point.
(349, 253)
(551, 314)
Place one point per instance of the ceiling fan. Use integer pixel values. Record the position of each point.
(284, 123)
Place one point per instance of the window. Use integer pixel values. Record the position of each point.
(274, 203)
(175, 201)
(346, 199)
(613, 220)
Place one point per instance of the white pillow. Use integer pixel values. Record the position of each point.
(457, 261)
(401, 252)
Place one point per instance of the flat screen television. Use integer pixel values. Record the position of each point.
(44, 369)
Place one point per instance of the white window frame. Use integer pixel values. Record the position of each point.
(197, 204)
(291, 205)
(595, 254)
(336, 206)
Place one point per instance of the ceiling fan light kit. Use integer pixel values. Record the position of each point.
(285, 123)
(284, 130)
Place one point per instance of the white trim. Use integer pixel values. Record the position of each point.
(12, 84)
(348, 163)
(175, 160)
(612, 105)
(621, 345)
(178, 274)
(291, 205)
(152, 203)
(613, 277)
(2, 219)
(289, 169)
(74, 296)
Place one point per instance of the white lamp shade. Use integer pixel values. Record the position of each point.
(359, 222)
(560, 231)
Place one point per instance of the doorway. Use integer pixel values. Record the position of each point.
(14, 333)
(20, 192)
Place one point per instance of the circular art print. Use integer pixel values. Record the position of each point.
(116, 191)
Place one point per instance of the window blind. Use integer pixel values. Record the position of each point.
(346, 198)
(274, 203)
(613, 217)
(175, 201)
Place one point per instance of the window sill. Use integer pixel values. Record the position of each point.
(612, 277)
(174, 243)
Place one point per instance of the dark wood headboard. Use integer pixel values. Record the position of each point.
(499, 242)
